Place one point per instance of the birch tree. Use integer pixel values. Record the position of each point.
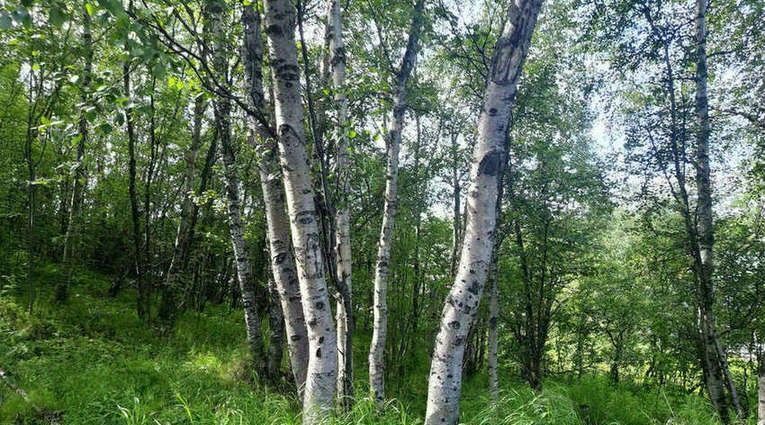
(78, 175)
(343, 267)
(489, 157)
(321, 374)
(714, 356)
(278, 231)
(393, 145)
(222, 112)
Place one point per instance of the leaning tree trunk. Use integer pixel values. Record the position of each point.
(393, 141)
(714, 352)
(278, 231)
(489, 157)
(321, 375)
(344, 315)
(222, 113)
(78, 185)
(183, 233)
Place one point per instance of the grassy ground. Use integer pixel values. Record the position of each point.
(93, 362)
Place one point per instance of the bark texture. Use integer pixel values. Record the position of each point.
(343, 263)
(393, 141)
(280, 248)
(489, 157)
(321, 374)
(222, 112)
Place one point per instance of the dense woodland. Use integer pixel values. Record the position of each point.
(382, 211)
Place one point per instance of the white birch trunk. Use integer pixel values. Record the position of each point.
(278, 231)
(715, 353)
(489, 156)
(393, 141)
(222, 112)
(342, 215)
(321, 375)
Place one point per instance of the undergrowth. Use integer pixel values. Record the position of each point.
(92, 361)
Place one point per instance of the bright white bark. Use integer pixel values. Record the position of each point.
(342, 214)
(322, 338)
(278, 231)
(489, 157)
(393, 141)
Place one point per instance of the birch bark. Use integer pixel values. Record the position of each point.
(393, 141)
(344, 314)
(321, 374)
(489, 155)
(715, 354)
(222, 112)
(278, 231)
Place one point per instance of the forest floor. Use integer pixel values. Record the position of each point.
(92, 361)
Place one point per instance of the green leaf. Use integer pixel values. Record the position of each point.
(91, 9)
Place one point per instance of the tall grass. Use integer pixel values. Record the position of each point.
(93, 362)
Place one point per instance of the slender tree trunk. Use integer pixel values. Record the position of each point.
(183, 233)
(222, 112)
(278, 231)
(489, 157)
(135, 215)
(393, 141)
(716, 356)
(457, 208)
(761, 388)
(75, 204)
(344, 315)
(493, 322)
(276, 328)
(321, 375)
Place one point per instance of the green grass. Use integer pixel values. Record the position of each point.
(92, 361)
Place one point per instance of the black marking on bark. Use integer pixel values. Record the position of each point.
(319, 305)
(296, 337)
(454, 324)
(474, 287)
(490, 163)
(318, 352)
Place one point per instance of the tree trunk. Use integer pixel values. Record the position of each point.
(78, 181)
(489, 157)
(321, 374)
(183, 234)
(342, 215)
(222, 112)
(276, 327)
(714, 353)
(278, 231)
(761, 389)
(493, 321)
(457, 208)
(393, 141)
